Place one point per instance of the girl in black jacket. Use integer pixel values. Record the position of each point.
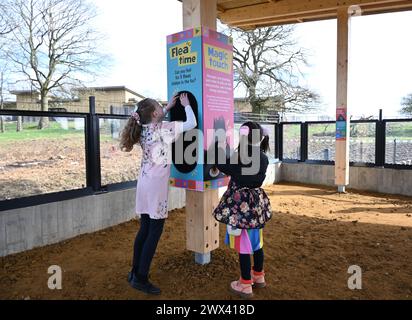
(245, 207)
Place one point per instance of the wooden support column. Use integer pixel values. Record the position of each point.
(342, 118)
(199, 13)
(202, 230)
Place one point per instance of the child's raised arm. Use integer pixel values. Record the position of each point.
(175, 128)
(190, 122)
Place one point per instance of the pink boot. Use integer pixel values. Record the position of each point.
(258, 279)
(242, 288)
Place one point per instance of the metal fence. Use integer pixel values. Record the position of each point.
(377, 143)
(89, 126)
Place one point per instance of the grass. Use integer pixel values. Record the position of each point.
(54, 131)
(30, 132)
(394, 130)
(400, 131)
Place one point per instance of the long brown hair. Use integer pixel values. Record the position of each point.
(132, 131)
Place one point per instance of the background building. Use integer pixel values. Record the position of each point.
(116, 99)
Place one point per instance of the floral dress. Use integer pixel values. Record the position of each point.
(244, 205)
(247, 209)
(153, 181)
(243, 208)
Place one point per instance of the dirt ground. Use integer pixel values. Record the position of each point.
(313, 238)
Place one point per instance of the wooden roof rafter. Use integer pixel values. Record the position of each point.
(250, 14)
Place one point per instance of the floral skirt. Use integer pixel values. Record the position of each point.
(248, 242)
(243, 208)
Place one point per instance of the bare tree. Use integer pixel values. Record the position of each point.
(267, 64)
(54, 45)
(3, 69)
(2, 127)
(5, 27)
(407, 105)
(4, 81)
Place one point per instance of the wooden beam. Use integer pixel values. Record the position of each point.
(220, 9)
(330, 14)
(224, 1)
(240, 3)
(342, 141)
(232, 4)
(199, 13)
(394, 6)
(284, 8)
(202, 230)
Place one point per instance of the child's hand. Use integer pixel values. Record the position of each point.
(184, 100)
(171, 103)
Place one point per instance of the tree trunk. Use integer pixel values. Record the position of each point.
(19, 124)
(255, 106)
(44, 121)
(254, 100)
(2, 127)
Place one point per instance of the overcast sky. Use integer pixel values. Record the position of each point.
(380, 67)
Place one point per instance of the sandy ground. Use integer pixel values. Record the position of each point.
(314, 236)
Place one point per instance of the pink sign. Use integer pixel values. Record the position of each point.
(218, 104)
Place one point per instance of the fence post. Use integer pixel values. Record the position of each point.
(280, 141)
(93, 170)
(380, 141)
(361, 151)
(394, 151)
(304, 141)
(326, 154)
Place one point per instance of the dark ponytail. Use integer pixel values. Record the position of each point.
(264, 145)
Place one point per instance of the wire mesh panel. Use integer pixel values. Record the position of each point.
(291, 141)
(34, 161)
(321, 141)
(362, 142)
(398, 144)
(116, 165)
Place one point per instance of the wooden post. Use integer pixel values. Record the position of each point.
(202, 230)
(199, 13)
(342, 119)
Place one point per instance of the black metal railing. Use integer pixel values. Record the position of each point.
(387, 135)
(380, 145)
(91, 155)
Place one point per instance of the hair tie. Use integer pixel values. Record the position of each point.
(136, 117)
(244, 131)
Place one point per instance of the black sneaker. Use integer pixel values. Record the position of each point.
(146, 287)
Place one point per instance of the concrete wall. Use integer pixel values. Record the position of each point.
(390, 181)
(27, 228)
(273, 174)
